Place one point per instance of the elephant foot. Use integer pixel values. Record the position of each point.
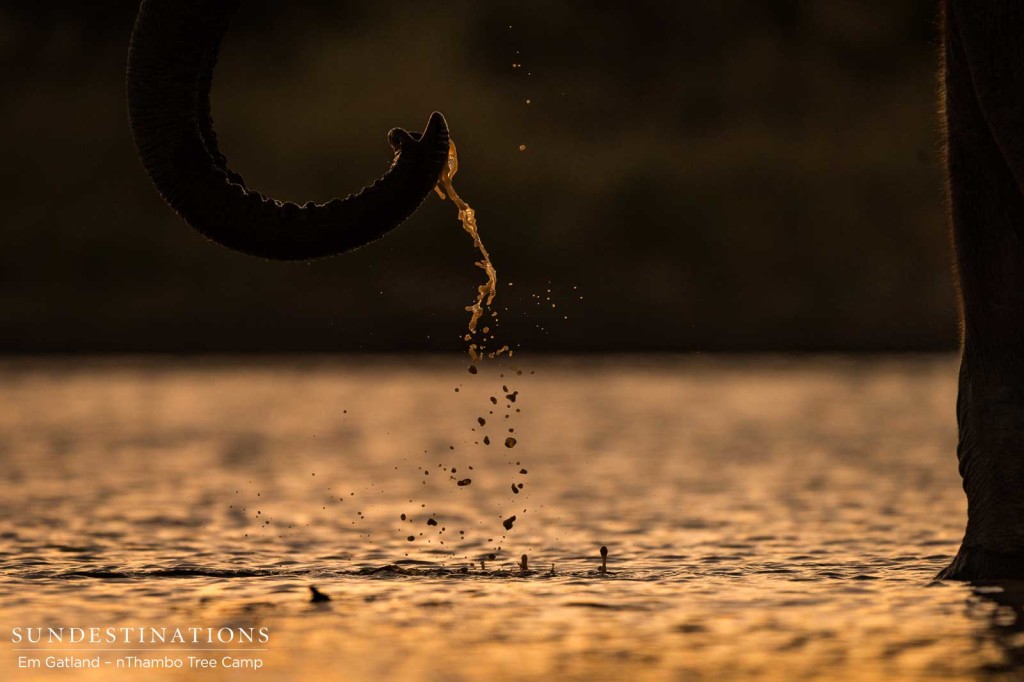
(975, 563)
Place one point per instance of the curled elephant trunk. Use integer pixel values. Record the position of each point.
(170, 69)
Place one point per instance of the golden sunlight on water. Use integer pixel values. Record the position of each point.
(769, 519)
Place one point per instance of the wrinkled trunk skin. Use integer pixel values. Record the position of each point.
(983, 98)
(170, 71)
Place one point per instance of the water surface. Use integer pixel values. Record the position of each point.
(768, 518)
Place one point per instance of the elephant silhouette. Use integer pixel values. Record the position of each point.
(170, 69)
(171, 60)
(983, 115)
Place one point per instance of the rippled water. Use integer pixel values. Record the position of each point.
(765, 518)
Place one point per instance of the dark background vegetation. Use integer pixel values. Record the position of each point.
(728, 175)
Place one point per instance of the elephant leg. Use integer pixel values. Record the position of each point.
(983, 99)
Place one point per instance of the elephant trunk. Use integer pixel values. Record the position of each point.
(173, 51)
(983, 98)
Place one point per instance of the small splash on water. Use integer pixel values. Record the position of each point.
(316, 596)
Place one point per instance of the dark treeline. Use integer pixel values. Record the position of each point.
(735, 175)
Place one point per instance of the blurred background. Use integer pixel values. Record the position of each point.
(731, 176)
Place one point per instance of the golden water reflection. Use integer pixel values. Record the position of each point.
(766, 518)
